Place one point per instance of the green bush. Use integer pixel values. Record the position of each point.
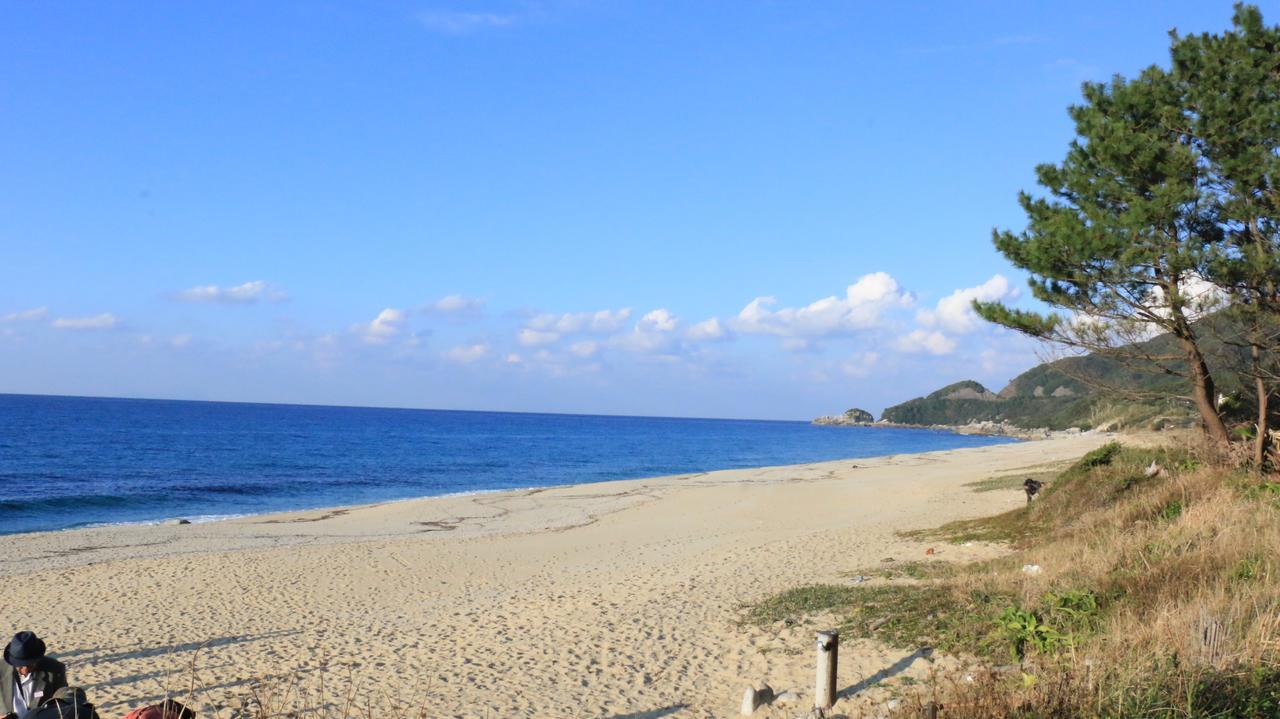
(1098, 457)
(1024, 628)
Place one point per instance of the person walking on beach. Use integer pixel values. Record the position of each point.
(27, 676)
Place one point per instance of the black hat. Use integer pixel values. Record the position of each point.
(25, 650)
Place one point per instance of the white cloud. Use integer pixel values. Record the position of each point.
(708, 330)
(536, 338)
(933, 342)
(465, 354)
(389, 323)
(653, 333)
(1200, 297)
(104, 321)
(602, 322)
(659, 320)
(545, 329)
(878, 288)
(954, 313)
(36, 313)
(460, 23)
(585, 348)
(513, 358)
(247, 293)
(861, 308)
(456, 307)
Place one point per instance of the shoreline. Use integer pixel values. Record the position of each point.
(198, 519)
(984, 428)
(605, 599)
(213, 517)
(284, 514)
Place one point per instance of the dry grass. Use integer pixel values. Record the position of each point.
(1156, 596)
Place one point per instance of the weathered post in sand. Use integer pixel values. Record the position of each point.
(824, 693)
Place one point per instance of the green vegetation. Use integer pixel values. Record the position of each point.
(1158, 238)
(1098, 457)
(1057, 395)
(794, 604)
(910, 570)
(1143, 582)
(912, 616)
(997, 484)
(850, 416)
(857, 415)
(1096, 480)
(1163, 220)
(1133, 576)
(1013, 480)
(1120, 235)
(961, 390)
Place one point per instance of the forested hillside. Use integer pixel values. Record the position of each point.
(1086, 392)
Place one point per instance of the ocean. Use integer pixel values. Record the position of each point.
(76, 461)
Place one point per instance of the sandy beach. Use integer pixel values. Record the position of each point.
(617, 599)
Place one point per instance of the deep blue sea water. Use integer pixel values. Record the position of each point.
(76, 461)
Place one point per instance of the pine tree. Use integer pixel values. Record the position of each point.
(1123, 239)
(1232, 92)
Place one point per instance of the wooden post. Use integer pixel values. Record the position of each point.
(824, 693)
(756, 697)
(749, 702)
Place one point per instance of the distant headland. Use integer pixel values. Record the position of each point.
(1069, 395)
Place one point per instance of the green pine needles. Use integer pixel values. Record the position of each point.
(1164, 213)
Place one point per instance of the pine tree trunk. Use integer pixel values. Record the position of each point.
(1260, 388)
(1202, 391)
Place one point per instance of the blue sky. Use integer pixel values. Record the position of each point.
(739, 209)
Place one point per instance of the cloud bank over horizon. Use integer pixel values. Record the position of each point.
(873, 343)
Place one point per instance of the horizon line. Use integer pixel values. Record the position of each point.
(388, 407)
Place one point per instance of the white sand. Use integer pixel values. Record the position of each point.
(606, 600)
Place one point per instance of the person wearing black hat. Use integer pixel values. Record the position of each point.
(27, 677)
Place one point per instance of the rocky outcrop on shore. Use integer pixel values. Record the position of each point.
(1004, 429)
(994, 429)
(851, 418)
